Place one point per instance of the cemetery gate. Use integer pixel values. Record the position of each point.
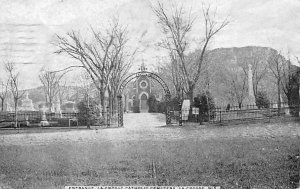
(149, 75)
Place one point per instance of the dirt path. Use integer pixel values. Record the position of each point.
(143, 121)
(145, 126)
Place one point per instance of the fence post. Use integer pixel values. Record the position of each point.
(209, 113)
(168, 104)
(269, 113)
(298, 167)
(220, 115)
(180, 114)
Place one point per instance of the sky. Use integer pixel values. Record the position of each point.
(28, 29)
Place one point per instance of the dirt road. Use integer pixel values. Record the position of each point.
(145, 126)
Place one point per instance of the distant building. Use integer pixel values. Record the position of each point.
(69, 107)
(26, 103)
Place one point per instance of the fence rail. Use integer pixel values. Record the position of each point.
(237, 113)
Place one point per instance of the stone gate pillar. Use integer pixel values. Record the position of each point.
(120, 111)
(168, 114)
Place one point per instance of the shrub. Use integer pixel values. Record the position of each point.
(205, 103)
(88, 113)
(136, 106)
(262, 100)
(175, 103)
(161, 107)
(152, 103)
(64, 122)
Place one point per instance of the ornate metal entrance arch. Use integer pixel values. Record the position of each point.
(150, 75)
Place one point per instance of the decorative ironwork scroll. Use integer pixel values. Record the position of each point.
(145, 74)
(168, 113)
(120, 111)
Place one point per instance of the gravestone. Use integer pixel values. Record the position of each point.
(44, 121)
(185, 109)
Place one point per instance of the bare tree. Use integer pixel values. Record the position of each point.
(14, 87)
(165, 72)
(177, 77)
(176, 28)
(259, 70)
(51, 84)
(289, 78)
(98, 57)
(285, 75)
(119, 72)
(276, 66)
(237, 85)
(86, 86)
(120, 61)
(3, 92)
(171, 70)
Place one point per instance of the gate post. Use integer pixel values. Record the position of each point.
(108, 116)
(168, 113)
(120, 111)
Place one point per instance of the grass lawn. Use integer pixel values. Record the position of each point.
(239, 162)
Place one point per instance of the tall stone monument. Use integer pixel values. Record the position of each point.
(251, 96)
(27, 104)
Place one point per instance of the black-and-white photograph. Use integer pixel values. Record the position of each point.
(149, 94)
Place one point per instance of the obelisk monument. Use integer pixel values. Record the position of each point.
(251, 96)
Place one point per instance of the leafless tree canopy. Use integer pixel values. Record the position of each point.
(283, 74)
(3, 92)
(237, 85)
(51, 84)
(177, 78)
(177, 26)
(105, 58)
(17, 94)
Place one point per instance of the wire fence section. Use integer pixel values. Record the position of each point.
(253, 112)
(64, 119)
(235, 113)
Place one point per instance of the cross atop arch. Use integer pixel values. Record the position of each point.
(143, 68)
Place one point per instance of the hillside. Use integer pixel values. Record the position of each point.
(38, 95)
(224, 64)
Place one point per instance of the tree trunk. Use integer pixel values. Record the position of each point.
(190, 93)
(102, 104)
(113, 104)
(178, 93)
(240, 105)
(2, 105)
(278, 99)
(294, 99)
(110, 102)
(50, 105)
(46, 99)
(16, 112)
